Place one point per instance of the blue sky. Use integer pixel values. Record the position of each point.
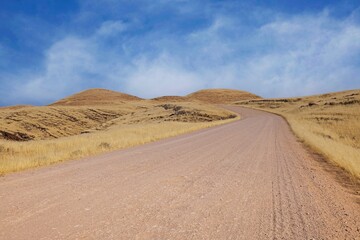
(50, 49)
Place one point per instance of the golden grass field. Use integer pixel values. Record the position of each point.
(328, 123)
(16, 156)
(93, 122)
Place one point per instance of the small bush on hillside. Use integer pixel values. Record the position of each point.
(104, 145)
(76, 153)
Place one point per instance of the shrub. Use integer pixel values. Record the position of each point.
(104, 145)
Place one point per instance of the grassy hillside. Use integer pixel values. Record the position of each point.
(221, 96)
(329, 123)
(35, 123)
(92, 122)
(96, 96)
(48, 122)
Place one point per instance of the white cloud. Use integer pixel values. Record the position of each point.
(111, 28)
(213, 41)
(68, 62)
(161, 76)
(308, 54)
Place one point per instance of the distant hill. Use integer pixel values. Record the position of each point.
(99, 96)
(171, 99)
(221, 96)
(98, 109)
(96, 96)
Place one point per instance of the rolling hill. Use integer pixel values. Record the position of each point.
(221, 96)
(96, 96)
(96, 110)
(100, 120)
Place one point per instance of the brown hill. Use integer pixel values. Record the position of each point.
(96, 96)
(98, 109)
(221, 96)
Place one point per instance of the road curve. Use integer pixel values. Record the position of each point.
(249, 179)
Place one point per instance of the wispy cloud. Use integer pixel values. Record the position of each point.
(280, 55)
(307, 54)
(111, 28)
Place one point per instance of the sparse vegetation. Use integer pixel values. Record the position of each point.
(329, 123)
(72, 128)
(56, 121)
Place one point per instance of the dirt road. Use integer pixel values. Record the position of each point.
(249, 179)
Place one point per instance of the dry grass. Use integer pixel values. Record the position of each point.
(35, 123)
(49, 122)
(72, 129)
(220, 96)
(328, 123)
(212, 96)
(16, 156)
(96, 96)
